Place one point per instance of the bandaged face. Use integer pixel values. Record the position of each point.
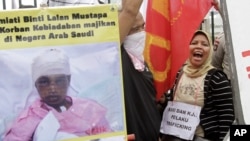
(51, 74)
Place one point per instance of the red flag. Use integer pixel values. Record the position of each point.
(170, 25)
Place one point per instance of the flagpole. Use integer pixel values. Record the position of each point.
(239, 117)
(212, 24)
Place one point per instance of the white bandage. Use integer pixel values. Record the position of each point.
(52, 61)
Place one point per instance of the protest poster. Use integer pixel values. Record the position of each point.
(89, 36)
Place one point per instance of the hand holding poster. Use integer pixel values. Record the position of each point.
(62, 61)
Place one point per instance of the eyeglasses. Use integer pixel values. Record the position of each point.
(45, 81)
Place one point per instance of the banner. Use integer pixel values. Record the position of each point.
(170, 25)
(237, 40)
(89, 36)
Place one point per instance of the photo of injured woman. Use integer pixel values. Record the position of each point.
(60, 106)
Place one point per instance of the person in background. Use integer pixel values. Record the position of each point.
(200, 104)
(51, 76)
(220, 58)
(221, 54)
(142, 116)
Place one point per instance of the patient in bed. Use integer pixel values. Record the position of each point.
(55, 115)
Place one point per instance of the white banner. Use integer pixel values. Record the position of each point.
(238, 22)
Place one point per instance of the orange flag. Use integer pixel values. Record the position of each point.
(170, 25)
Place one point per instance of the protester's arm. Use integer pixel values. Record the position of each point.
(218, 54)
(216, 5)
(127, 16)
(222, 95)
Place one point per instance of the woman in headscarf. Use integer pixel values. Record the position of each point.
(200, 104)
